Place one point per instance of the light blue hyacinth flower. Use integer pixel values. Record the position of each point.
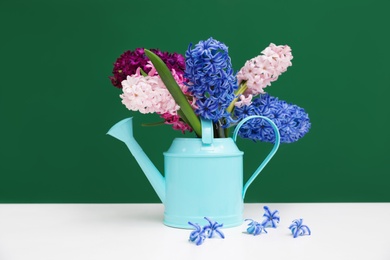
(298, 229)
(255, 228)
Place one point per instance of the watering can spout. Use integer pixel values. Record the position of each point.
(123, 131)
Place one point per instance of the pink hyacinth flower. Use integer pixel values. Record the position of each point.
(244, 101)
(176, 123)
(147, 95)
(260, 71)
(179, 77)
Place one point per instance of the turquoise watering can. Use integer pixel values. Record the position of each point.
(203, 176)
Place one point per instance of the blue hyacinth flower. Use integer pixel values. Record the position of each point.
(292, 121)
(255, 228)
(212, 228)
(270, 218)
(212, 80)
(198, 235)
(297, 229)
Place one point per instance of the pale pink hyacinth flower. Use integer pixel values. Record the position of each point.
(147, 94)
(260, 71)
(179, 78)
(244, 101)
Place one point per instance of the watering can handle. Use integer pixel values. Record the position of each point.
(269, 156)
(207, 131)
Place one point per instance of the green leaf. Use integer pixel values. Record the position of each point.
(175, 91)
(143, 72)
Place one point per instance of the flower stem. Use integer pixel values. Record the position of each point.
(153, 124)
(241, 89)
(220, 132)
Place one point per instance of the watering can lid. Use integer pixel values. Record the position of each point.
(184, 147)
(205, 146)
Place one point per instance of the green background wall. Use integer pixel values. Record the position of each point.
(57, 103)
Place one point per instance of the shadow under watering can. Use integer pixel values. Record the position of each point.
(203, 176)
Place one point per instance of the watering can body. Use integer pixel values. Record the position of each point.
(203, 176)
(203, 181)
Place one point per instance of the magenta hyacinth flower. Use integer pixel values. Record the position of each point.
(176, 122)
(128, 63)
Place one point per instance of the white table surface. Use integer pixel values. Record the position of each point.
(135, 231)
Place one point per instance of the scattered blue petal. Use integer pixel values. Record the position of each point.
(297, 229)
(212, 228)
(255, 228)
(198, 235)
(270, 218)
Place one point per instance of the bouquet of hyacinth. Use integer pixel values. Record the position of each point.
(203, 84)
